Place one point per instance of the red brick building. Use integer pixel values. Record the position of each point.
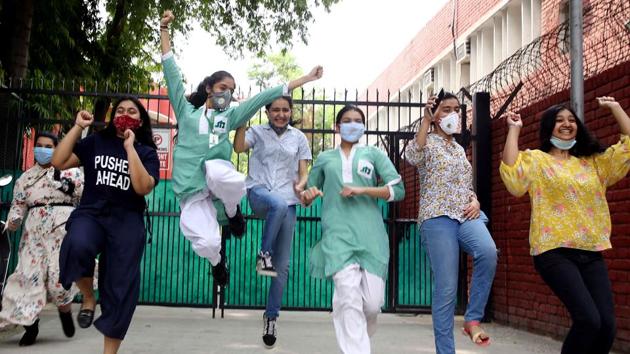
(484, 34)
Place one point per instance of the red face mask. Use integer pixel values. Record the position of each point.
(125, 122)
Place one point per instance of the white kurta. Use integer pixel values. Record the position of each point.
(35, 280)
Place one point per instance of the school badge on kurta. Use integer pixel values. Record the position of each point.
(220, 124)
(365, 169)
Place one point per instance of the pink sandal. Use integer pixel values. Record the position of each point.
(477, 335)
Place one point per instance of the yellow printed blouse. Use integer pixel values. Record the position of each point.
(568, 197)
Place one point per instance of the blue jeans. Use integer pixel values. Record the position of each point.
(442, 238)
(277, 239)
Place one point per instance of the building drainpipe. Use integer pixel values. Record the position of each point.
(577, 57)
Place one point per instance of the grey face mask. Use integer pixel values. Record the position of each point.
(279, 130)
(221, 100)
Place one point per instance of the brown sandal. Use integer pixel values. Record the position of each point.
(477, 335)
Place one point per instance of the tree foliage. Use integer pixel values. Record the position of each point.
(274, 69)
(118, 39)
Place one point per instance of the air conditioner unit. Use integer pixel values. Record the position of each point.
(428, 78)
(463, 52)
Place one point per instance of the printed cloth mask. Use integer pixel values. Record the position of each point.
(43, 155)
(124, 122)
(279, 130)
(351, 132)
(562, 144)
(450, 123)
(221, 100)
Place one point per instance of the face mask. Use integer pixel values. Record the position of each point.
(221, 100)
(125, 122)
(279, 130)
(562, 144)
(351, 132)
(43, 155)
(450, 123)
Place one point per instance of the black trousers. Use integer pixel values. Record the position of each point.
(580, 280)
(118, 235)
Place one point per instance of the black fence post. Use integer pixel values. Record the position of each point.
(218, 292)
(482, 162)
(482, 150)
(393, 232)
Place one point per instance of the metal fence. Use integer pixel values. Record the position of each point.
(171, 273)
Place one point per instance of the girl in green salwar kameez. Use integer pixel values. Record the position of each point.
(354, 249)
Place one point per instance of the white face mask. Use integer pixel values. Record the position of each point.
(450, 123)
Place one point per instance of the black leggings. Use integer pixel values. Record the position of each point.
(580, 280)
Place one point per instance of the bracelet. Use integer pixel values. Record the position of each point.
(163, 27)
(82, 128)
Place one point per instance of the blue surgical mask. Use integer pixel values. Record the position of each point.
(43, 155)
(562, 144)
(351, 132)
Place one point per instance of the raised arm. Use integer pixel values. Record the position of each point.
(425, 123)
(617, 111)
(510, 150)
(240, 145)
(315, 74)
(247, 109)
(165, 37)
(63, 157)
(172, 74)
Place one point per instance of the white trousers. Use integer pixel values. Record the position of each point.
(198, 218)
(357, 300)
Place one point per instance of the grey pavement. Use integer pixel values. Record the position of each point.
(191, 330)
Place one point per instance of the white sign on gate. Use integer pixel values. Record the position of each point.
(162, 139)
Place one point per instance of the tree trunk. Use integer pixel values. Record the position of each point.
(19, 18)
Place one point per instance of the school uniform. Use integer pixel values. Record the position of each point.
(273, 169)
(204, 179)
(354, 249)
(109, 222)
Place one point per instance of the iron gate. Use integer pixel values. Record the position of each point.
(171, 273)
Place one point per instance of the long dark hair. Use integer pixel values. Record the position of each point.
(144, 134)
(346, 109)
(199, 97)
(585, 143)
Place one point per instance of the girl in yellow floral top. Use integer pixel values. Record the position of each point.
(570, 222)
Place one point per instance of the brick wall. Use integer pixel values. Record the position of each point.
(520, 298)
(432, 39)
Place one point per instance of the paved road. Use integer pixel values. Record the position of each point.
(186, 330)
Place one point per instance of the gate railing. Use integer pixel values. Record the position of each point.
(171, 273)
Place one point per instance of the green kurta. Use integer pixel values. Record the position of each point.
(353, 228)
(198, 126)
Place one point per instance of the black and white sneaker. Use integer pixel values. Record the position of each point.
(269, 331)
(264, 265)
